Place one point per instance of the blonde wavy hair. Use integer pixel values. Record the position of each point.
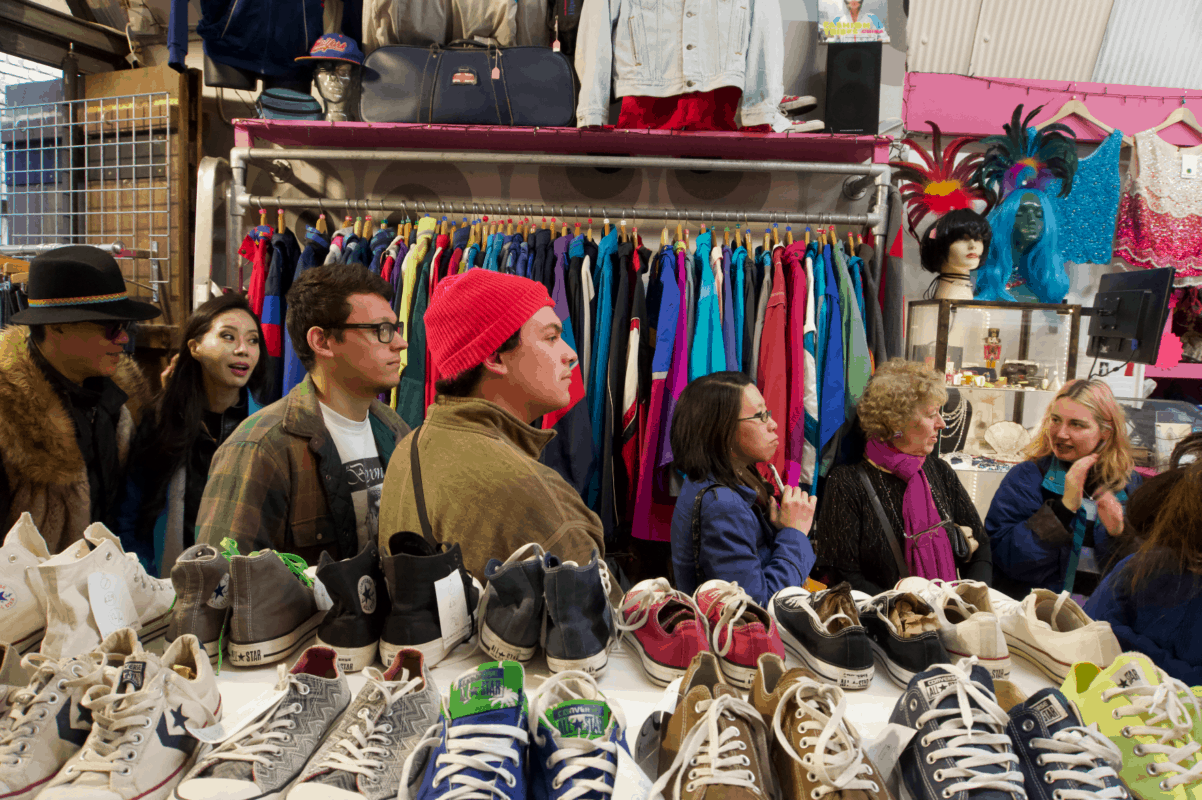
(1115, 462)
(893, 395)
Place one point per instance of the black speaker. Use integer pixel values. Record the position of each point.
(853, 88)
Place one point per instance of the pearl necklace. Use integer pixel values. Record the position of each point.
(955, 422)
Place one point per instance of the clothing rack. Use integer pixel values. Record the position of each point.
(213, 171)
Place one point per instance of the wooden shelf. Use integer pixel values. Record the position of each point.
(1182, 370)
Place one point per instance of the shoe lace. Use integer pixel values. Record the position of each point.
(838, 757)
(580, 753)
(734, 602)
(1167, 719)
(637, 605)
(485, 748)
(714, 750)
(365, 747)
(808, 607)
(1087, 757)
(25, 711)
(1005, 606)
(255, 743)
(297, 566)
(974, 736)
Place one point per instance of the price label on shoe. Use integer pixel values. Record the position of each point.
(112, 606)
(887, 748)
(453, 614)
(235, 722)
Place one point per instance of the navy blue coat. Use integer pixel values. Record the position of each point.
(1029, 530)
(737, 544)
(1162, 619)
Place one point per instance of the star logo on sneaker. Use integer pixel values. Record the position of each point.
(221, 595)
(8, 598)
(367, 594)
(172, 732)
(935, 685)
(1049, 710)
(74, 722)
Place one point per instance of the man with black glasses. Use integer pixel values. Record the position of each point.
(70, 398)
(303, 475)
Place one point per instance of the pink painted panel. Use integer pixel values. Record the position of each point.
(970, 106)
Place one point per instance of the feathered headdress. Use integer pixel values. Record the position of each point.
(939, 184)
(1025, 159)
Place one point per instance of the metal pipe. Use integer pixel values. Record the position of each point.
(207, 179)
(561, 211)
(116, 250)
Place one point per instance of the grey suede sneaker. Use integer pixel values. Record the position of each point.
(580, 629)
(363, 755)
(274, 612)
(263, 758)
(201, 577)
(513, 607)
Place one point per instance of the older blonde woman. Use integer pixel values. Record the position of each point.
(1070, 492)
(899, 413)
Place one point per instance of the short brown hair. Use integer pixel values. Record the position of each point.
(703, 426)
(463, 384)
(319, 299)
(895, 391)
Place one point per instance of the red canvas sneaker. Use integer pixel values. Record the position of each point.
(740, 630)
(665, 628)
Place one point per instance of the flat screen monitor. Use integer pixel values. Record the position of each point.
(1129, 314)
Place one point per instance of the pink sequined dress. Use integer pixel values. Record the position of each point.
(1160, 216)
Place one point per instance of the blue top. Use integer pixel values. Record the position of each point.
(737, 543)
(1085, 219)
(738, 258)
(1162, 619)
(730, 313)
(830, 398)
(708, 353)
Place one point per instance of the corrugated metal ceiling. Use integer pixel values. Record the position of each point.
(1152, 49)
(941, 35)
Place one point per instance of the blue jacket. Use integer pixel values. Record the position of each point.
(1162, 619)
(830, 398)
(314, 254)
(737, 543)
(1029, 529)
(260, 36)
(708, 352)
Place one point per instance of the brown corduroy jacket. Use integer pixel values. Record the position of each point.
(486, 489)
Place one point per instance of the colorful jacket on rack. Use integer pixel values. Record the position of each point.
(857, 360)
(284, 259)
(763, 261)
(794, 422)
(809, 461)
(316, 247)
(256, 249)
(411, 393)
(410, 269)
(830, 398)
(598, 368)
(730, 313)
(665, 49)
(708, 354)
(678, 371)
(611, 502)
(773, 377)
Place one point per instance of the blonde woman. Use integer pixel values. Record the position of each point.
(1070, 493)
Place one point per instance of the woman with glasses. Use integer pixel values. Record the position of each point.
(727, 525)
(206, 394)
(933, 527)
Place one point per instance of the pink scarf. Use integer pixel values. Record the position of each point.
(929, 556)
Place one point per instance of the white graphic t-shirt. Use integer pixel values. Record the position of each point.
(364, 471)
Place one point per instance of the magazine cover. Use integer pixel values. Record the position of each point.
(852, 21)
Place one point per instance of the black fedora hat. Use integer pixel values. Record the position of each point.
(79, 284)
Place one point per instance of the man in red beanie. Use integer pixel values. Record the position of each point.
(496, 342)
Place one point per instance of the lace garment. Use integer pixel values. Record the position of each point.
(1086, 217)
(1160, 216)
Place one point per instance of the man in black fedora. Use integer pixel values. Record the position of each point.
(70, 399)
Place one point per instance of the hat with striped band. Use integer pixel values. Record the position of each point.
(79, 283)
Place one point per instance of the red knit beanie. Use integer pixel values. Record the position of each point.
(471, 315)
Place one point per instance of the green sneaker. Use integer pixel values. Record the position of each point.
(1141, 710)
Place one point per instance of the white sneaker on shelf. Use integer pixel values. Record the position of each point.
(968, 623)
(806, 126)
(22, 613)
(1052, 632)
(798, 103)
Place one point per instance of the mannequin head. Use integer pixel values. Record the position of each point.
(336, 82)
(1028, 223)
(1034, 251)
(949, 242)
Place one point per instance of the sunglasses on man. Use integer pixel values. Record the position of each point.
(114, 329)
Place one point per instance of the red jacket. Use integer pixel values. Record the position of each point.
(794, 427)
(773, 377)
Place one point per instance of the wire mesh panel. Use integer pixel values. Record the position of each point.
(94, 171)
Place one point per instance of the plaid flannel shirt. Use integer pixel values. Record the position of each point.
(278, 481)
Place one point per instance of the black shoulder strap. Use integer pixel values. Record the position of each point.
(890, 535)
(419, 493)
(695, 526)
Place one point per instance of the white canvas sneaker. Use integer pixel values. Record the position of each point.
(71, 625)
(139, 747)
(48, 722)
(1052, 632)
(22, 613)
(968, 623)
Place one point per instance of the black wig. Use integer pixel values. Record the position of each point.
(962, 223)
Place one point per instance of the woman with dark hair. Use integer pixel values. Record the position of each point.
(952, 248)
(1153, 598)
(721, 429)
(207, 394)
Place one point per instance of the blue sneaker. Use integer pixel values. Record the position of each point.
(575, 737)
(960, 750)
(1060, 758)
(478, 747)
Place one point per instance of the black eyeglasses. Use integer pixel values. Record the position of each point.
(763, 417)
(384, 330)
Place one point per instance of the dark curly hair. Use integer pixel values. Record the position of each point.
(952, 227)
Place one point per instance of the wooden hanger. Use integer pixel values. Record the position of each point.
(367, 231)
(775, 235)
(622, 231)
(605, 228)
(1183, 115)
(767, 239)
(859, 240)
(664, 237)
(679, 232)
(564, 231)
(589, 234)
(279, 220)
(851, 242)
(321, 224)
(749, 245)
(348, 222)
(1075, 107)
(807, 237)
(788, 234)
(726, 237)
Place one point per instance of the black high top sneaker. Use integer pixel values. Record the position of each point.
(353, 625)
(434, 599)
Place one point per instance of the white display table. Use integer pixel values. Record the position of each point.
(624, 680)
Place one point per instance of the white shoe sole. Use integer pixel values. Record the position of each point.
(432, 652)
(594, 665)
(840, 676)
(258, 653)
(501, 650)
(660, 674)
(898, 674)
(737, 674)
(212, 648)
(353, 659)
(999, 667)
(804, 102)
(1041, 659)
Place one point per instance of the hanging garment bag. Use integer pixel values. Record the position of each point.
(468, 83)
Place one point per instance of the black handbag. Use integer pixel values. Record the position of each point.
(468, 83)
